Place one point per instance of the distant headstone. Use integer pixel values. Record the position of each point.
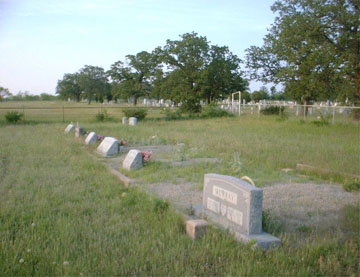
(125, 120)
(108, 147)
(298, 111)
(133, 160)
(132, 121)
(91, 138)
(69, 128)
(237, 206)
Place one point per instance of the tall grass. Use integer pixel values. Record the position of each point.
(63, 213)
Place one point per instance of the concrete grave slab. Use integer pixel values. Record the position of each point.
(91, 138)
(108, 147)
(133, 160)
(237, 206)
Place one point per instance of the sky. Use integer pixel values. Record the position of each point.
(41, 40)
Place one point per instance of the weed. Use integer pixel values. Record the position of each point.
(303, 229)
(352, 185)
(103, 116)
(13, 117)
(138, 113)
(160, 206)
(270, 224)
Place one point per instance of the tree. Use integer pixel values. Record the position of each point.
(93, 83)
(69, 87)
(261, 94)
(222, 75)
(135, 77)
(313, 48)
(185, 58)
(4, 93)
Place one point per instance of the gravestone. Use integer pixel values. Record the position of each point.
(125, 120)
(108, 147)
(236, 206)
(69, 128)
(132, 121)
(133, 160)
(91, 138)
(79, 131)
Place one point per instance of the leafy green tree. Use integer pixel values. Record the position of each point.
(312, 48)
(261, 94)
(185, 59)
(134, 78)
(93, 83)
(69, 88)
(222, 75)
(4, 93)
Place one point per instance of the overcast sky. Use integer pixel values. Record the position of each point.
(41, 40)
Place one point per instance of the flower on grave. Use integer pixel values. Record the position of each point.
(21, 261)
(146, 156)
(100, 138)
(65, 263)
(33, 224)
(123, 142)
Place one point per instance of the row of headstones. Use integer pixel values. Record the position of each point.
(132, 121)
(108, 147)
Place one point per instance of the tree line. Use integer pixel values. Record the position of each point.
(312, 50)
(184, 71)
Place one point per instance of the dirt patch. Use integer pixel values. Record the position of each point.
(314, 205)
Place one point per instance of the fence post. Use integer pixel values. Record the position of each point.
(333, 118)
(63, 111)
(23, 108)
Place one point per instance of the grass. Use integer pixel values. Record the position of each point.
(62, 213)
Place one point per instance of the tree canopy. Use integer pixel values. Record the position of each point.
(313, 49)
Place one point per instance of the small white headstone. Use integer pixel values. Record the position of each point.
(91, 138)
(133, 160)
(108, 147)
(125, 120)
(79, 131)
(132, 121)
(69, 128)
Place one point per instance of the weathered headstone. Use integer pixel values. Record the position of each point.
(133, 160)
(91, 138)
(79, 131)
(125, 120)
(108, 147)
(237, 206)
(132, 121)
(69, 128)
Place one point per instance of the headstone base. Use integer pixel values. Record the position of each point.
(263, 240)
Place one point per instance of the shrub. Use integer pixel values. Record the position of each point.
(161, 206)
(323, 120)
(191, 106)
(138, 113)
(13, 117)
(103, 116)
(213, 111)
(172, 114)
(273, 110)
(352, 186)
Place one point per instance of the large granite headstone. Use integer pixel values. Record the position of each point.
(237, 206)
(125, 120)
(69, 128)
(133, 160)
(132, 121)
(108, 147)
(91, 138)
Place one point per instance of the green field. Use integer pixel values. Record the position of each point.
(63, 213)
